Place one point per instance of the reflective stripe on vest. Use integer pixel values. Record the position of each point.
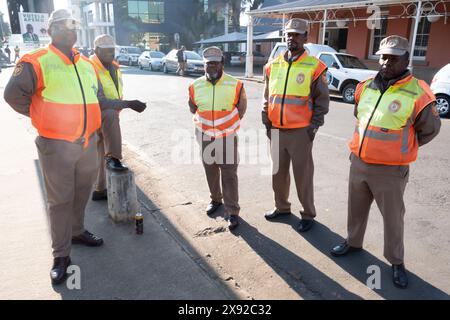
(389, 138)
(217, 114)
(61, 109)
(109, 87)
(290, 105)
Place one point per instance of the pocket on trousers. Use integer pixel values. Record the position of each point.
(404, 171)
(41, 144)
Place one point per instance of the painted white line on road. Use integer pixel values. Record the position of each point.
(332, 136)
(141, 154)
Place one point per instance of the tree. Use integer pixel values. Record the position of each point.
(237, 7)
(199, 25)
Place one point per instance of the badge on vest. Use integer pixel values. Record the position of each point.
(395, 106)
(435, 110)
(301, 78)
(18, 70)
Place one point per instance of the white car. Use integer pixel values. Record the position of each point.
(194, 62)
(345, 71)
(128, 55)
(151, 60)
(441, 88)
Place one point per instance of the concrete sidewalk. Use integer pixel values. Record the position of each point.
(156, 265)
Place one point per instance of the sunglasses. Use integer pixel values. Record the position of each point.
(68, 24)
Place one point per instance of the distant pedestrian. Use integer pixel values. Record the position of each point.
(17, 52)
(182, 61)
(8, 52)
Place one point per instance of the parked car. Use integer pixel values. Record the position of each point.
(128, 55)
(194, 62)
(4, 61)
(345, 71)
(151, 60)
(441, 88)
(239, 58)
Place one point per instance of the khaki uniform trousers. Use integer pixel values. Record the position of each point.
(220, 159)
(294, 145)
(69, 172)
(386, 184)
(109, 144)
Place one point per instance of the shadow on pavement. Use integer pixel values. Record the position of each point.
(294, 270)
(323, 239)
(159, 264)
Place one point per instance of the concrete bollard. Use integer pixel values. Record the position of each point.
(122, 196)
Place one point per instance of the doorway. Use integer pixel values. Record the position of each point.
(336, 37)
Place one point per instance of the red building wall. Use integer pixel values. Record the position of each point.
(358, 39)
(438, 53)
(400, 27)
(314, 33)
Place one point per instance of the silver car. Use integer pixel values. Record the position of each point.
(194, 62)
(151, 60)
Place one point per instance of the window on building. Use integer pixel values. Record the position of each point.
(147, 11)
(90, 17)
(423, 34)
(379, 34)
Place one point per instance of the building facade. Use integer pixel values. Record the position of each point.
(96, 17)
(157, 24)
(357, 27)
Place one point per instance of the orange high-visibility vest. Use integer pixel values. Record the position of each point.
(65, 105)
(290, 104)
(384, 132)
(109, 87)
(217, 114)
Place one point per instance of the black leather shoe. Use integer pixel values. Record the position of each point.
(115, 164)
(87, 239)
(343, 249)
(304, 225)
(99, 195)
(275, 213)
(399, 276)
(233, 222)
(212, 207)
(58, 273)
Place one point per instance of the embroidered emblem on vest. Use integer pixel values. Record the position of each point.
(395, 106)
(301, 78)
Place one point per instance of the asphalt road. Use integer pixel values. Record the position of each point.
(163, 138)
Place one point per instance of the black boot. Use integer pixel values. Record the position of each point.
(59, 270)
(399, 276)
(87, 239)
(212, 207)
(115, 164)
(99, 195)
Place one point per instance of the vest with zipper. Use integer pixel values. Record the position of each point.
(217, 114)
(65, 105)
(110, 89)
(384, 132)
(290, 105)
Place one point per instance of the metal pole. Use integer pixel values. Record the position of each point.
(413, 42)
(283, 38)
(226, 19)
(324, 25)
(249, 58)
